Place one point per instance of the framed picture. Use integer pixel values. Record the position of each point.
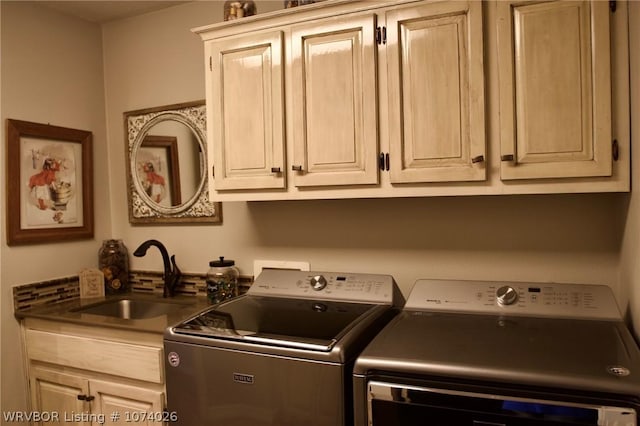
(49, 183)
(158, 162)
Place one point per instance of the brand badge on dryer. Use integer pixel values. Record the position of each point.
(246, 379)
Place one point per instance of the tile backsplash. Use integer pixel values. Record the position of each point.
(45, 293)
(59, 290)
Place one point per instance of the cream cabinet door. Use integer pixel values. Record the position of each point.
(245, 94)
(61, 395)
(555, 89)
(124, 404)
(436, 93)
(334, 92)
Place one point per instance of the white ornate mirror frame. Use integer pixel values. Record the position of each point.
(143, 209)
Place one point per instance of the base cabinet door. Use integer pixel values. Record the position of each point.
(67, 398)
(436, 93)
(124, 404)
(60, 395)
(555, 89)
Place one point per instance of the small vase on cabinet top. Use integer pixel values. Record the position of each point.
(236, 9)
(113, 259)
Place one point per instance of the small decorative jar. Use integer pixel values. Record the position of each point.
(235, 9)
(293, 3)
(222, 280)
(113, 259)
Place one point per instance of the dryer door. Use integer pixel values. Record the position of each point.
(392, 404)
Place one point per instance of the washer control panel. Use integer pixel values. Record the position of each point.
(357, 287)
(517, 298)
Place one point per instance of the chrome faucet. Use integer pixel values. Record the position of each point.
(171, 271)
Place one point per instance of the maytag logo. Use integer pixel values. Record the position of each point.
(246, 379)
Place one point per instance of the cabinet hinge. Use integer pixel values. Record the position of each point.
(615, 150)
(613, 5)
(383, 161)
(381, 35)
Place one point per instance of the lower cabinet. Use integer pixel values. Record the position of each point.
(82, 380)
(83, 401)
(58, 393)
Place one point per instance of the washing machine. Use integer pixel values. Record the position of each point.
(484, 353)
(280, 355)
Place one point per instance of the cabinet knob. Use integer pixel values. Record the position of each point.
(296, 168)
(507, 157)
(276, 170)
(87, 398)
(477, 159)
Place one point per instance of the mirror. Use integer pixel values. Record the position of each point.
(167, 161)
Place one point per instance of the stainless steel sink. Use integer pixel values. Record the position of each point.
(131, 308)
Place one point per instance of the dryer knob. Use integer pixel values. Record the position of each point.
(318, 282)
(506, 295)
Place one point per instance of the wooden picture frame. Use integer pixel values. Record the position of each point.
(162, 153)
(49, 183)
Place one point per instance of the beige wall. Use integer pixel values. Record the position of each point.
(51, 73)
(155, 60)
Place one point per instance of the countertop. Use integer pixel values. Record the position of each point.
(68, 312)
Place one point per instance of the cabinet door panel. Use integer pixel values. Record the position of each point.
(555, 91)
(54, 392)
(247, 118)
(334, 102)
(436, 93)
(133, 404)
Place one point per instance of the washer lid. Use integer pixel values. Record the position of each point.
(594, 355)
(298, 323)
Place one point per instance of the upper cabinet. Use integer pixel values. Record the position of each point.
(348, 99)
(436, 92)
(555, 89)
(245, 100)
(334, 90)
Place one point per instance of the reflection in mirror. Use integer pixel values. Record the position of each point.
(158, 169)
(167, 157)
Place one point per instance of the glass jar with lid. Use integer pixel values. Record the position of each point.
(222, 280)
(113, 260)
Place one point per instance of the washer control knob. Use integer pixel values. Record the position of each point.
(318, 282)
(506, 295)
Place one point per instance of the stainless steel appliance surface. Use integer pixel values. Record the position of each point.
(280, 355)
(495, 353)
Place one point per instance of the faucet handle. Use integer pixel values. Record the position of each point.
(172, 281)
(176, 271)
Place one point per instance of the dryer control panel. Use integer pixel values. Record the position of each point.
(369, 288)
(517, 298)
